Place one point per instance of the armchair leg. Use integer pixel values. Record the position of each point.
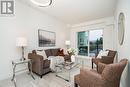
(97, 67)
(75, 85)
(92, 65)
(40, 76)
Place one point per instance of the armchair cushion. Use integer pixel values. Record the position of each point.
(107, 59)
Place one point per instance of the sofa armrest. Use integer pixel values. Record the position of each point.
(89, 78)
(37, 62)
(107, 59)
(46, 63)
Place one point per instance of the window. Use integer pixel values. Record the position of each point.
(95, 42)
(83, 43)
(90, 42)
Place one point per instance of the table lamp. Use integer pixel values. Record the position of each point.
(67, 43)
(21, 42)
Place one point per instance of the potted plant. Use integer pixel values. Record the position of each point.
(71, 52)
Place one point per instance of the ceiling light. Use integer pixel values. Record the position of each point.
(42, 3)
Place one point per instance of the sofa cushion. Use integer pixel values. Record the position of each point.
(55, 51)
(48, 52)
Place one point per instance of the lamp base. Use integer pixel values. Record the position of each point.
(22, 59)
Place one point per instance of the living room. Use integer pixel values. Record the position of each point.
(65, 20)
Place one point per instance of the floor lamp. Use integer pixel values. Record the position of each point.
(21, 42)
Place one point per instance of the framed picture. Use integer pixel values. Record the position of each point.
(46, 38)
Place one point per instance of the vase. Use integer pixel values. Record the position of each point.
(72, 58)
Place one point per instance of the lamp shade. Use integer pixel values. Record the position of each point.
(21, 42)
(67, 42)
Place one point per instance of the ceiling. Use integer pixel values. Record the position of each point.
(78, 11)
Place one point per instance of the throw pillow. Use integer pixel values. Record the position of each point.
(102, 53)
(42, 53)
(60, 52)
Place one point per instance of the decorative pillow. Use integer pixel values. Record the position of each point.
(60, 52)
(102, 53)
(42, 53)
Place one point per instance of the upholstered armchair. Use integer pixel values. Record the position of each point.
(108, 75)
(104, 59)
(40, 65)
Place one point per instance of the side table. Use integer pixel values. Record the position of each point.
(17, 62)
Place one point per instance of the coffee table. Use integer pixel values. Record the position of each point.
(63, 70)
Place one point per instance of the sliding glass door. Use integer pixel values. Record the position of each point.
(90, 42)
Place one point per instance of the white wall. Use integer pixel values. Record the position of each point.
(108, 34)
(26, 22)
(106, 24)
(124, 50)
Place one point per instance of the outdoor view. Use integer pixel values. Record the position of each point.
(90, 42)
